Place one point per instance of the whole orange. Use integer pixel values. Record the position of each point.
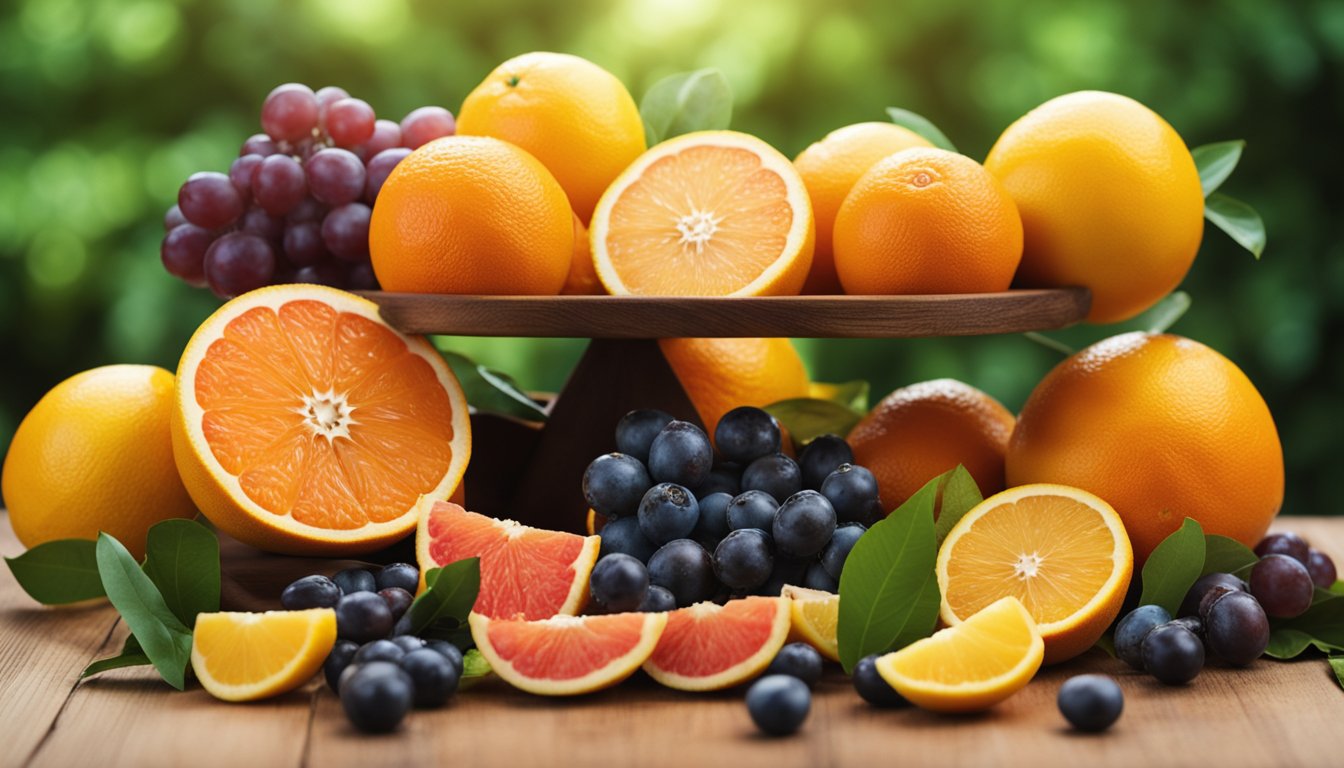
(582, 279)
(927, 221)
(721, 374)
(829, 168)
(574, 116)
(922, 430)
(469, 214)
(1162, 428)
(1110, 199)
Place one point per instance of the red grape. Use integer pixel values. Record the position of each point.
(1282, 585)
(289, 112)
(386, 134)
(335, 176)
(349, 122)
(378, 169)
(237, 263)
(183, 252)
(327, 273)
(241, 173)
(1321, 568)
(259, 222)
(278, 184)
(173, 218)
(209, 200)
(425, 124)
(308, 209)
(258, 144)
(345, 231)
(360, 277)
(328, 95)
(303, 243)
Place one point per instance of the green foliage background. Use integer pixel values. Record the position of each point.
(110, 104)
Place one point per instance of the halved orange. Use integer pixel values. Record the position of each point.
(249, 656)
(304, 424)
(712, 213)
(815, 616)
(969, 667)
(707, 647)
(1061, 551)
(567, 655)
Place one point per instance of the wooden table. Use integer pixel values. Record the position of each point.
(1270, 714)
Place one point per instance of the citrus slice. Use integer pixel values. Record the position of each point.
(527, 573)
(713, 213)
(707, 647)
(1062, 552)
(814, 616)
(249, 656)
(306, 425)
(969, 667)
(567, 655)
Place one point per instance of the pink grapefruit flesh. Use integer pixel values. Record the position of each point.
(707, 647)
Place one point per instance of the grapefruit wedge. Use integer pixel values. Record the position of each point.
(707, 647)
(304, 424)
(567, 655)
(527, 573)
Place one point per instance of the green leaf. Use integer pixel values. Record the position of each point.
(1216, 162)
(1320, 595)
(58, 572)
(921, 125)
(807, 418)
(182, 559)
(851, 394)
(450, 593)
(1173, 567)
(166, 642)
(1166, 312)
(131, 656)
(888, 592)
(1240, 221)
(1224, 555)
(490, 390)
(474, 664)
(1338, 587)
(1322, 627)
(1107, 643)
(1337, 664)
(958, 494)
(685, 102)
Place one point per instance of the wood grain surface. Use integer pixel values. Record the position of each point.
(1270, 714)
(655, 317)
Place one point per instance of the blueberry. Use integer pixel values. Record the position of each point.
(745, 434)
(339, 658)
(637, 429)
(680, 454)
(408, 643)
(685, 569)
(852, 491)
(448, 651)
(397, 599)
(1091, 702)
(402, 575)
(788, 570)
(1321, 568)
(657, 600)
(744, 559)
(872, 687)
(837, 551)
(752, 509)
(713, 522)
(798, 660)
(668, 512)
(1237, 629)
(433, 677)
(816, 577)
(310, 592)
(1172, 654)
(804, 524)
(1283, 586)
(623, 535)
(377, 696)
(618, 582)
(352, 580)
(1286, 543)
(1131, 630)
(723, 478)
(776, 474)
(614, 483)
(821, 457)
(379, 650)
(1201, 587)
(363, 616)
(404, 626)
(779, 704)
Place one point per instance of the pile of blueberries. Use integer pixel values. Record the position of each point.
(684, 525)
(377, 667)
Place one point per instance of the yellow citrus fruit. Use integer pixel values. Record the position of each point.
(721, 374)
(714, 213)
(574, 116)
(829, 168)
(921, 431)
(305, 425)
(971, 666)
(468, 214)
(1062, 552)
(1110, 199)
(815, 616)
(582, 279)
(250, 656)
(927, 221)
(95, 454)
(1163, 428)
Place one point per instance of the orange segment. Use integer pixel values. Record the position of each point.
(1061, 552)
(815, 616)
(714, 213)
(249, 656)
(707, 647)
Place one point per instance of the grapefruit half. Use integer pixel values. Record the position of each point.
(707, 647)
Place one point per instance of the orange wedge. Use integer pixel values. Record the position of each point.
(713, 213)
(708, 647)
(969, 667)
(1062, 552)
(304, 424)
(249, 656)
(815, 616)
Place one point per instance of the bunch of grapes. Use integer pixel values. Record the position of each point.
(295, 205)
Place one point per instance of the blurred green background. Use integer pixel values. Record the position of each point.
(110, 104)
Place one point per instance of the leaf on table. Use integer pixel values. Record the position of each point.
(807, 418)
(1216, 162)
(1239, 220)
(1319, 594)
(164, 639)
(131, 656)
(1337, 664)
(1107, 643)
(1225, 555)
(686, 102)
(59, 572)
(922, 126)
(1321, 627)
(182, 559)
(489, 390)
(957, 495)
(1173, 567)
(450, 592)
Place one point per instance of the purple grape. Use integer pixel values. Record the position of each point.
(1282, 585)
(303, 244)
(237, 263)
(173, 218)
(258, 144)
(209, 200)
(241, 172)
(1195, 595)
(308, 209)
(386, 135)
(1286, 543)
(289, 112)
(335, 176)
(1321, 568)
(328, 95)
(349, 122)
(379, 168)
(360, 277)
(327, 273)
(262, 224)
(278, 184)
(345, 231)
(1237, 630)
(183, 252)
(426, 124)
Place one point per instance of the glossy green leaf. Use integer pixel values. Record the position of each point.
(808, 417)
(686, 102)
(922, 126)
(489, 390)
(1166, 312)
(1321, 627)
(1224, 555)
(450, 592)
(1216, 162)
(851, 394)
(1173, 567)
(58, 572)
(1337, 664)
(182, 559)
(131, 656)
(958, 494)
(165, 640)
(1240, 221)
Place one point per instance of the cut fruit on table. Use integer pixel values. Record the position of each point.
(713, 213)
(707, 647)
(815, 615)
(971, 666)
(305, 425)
(567, 655)
(249, 656)
(527, 573)
(1061, 552)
